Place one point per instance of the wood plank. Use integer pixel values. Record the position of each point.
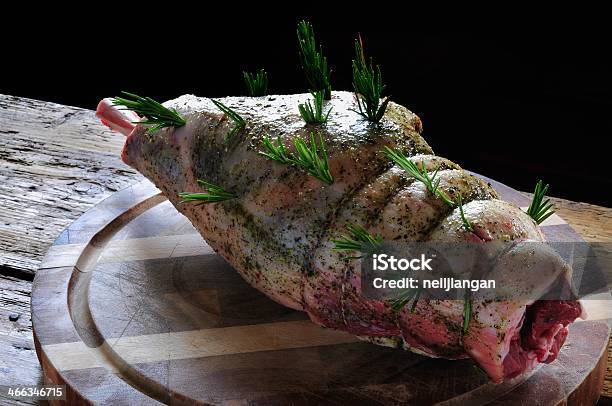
(199, 344)
(56, 162)
(18, 362)
(132, 249)
(607, 388)
(593, 223)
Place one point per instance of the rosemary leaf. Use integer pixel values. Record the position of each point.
(275, 152)
(306, 157)
(213, 194)
(314, 115)
(431, 182)
(256, 83)
(359, 240)
(368, 86)
(466, 223)
(467, 311)
(540, 209)
(415, 301)
(314, 64)
(239, 122)
(309, 159)
(404, 298)
(155, 113)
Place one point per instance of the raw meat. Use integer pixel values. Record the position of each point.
(277, 233)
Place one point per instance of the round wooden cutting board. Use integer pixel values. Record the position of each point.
(132, 307)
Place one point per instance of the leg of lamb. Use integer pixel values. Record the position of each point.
(277, 232)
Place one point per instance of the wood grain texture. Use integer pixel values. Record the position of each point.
(186, 329)
(593, 223)
(607, 387)
(18, 362)
(56, 162)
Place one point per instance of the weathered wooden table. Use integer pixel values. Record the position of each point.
(58, 161)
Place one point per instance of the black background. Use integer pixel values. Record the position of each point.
(514, 104)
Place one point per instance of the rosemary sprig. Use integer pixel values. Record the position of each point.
(368, 86)
(276, 152)
(256, 83)
(416, 300)
(404, 298)
(467, 311)
(309, 159)
(359, 240)
(314, 64)
(466, 223)
(540, 209)
(306, 156)
(314, 115)
(155, 113)
(239, 122)
(419, 174)
(213, 194)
